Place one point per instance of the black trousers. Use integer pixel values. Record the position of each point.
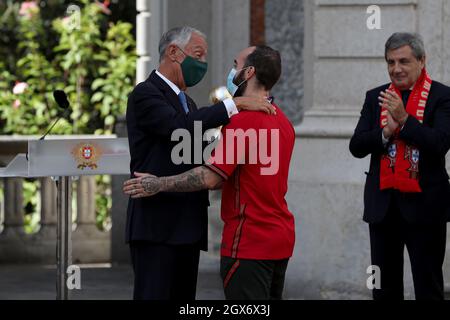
(253, 279)
(164, 272)
(426, 248)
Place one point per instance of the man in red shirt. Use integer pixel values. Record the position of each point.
(251, 164)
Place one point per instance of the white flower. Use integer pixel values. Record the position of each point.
(20, 87)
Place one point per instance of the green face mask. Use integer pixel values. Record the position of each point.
(193, 70)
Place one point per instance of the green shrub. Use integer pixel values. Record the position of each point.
(92, 58)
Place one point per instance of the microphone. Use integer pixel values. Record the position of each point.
(61, 99)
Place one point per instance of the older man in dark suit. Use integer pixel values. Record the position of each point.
(405, 127)
(167, 232)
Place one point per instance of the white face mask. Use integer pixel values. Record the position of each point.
(231, 87)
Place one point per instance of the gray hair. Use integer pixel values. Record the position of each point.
(400, 39)
(179, 36)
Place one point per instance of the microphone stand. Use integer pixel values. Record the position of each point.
(63, 235)
(65, 114)
(48, 131)
(64, 225)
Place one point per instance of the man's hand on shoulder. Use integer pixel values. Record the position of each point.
(254, 104)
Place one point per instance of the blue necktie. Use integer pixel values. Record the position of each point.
(183, 101)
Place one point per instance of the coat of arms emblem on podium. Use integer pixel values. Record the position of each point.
(87, 155)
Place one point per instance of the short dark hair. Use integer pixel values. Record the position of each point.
(267, 64)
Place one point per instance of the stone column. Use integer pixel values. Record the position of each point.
(41, 246)
(13, 237)
(89, 243)
(284, 32)
(14, 215)
(48, 208)
(86, 191)
(151, 22)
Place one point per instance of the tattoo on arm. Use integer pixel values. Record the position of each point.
(193, 180)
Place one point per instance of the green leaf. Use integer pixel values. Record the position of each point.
(97, 83)
(109, 120)
(97, 97)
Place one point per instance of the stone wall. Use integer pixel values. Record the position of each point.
(342, 60)
(284, 32)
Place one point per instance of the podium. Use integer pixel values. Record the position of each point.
(64, 159)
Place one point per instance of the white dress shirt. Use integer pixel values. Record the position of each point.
(229, 103)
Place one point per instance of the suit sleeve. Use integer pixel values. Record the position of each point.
(367, 137)
(433, 139)
(154, 114)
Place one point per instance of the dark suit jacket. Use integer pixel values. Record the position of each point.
(153, 113)
(433, 140)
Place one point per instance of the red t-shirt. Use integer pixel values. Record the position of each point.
(253, 157)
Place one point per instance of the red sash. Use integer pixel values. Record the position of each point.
(399, 168)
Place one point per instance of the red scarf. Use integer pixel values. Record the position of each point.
(399, 168)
